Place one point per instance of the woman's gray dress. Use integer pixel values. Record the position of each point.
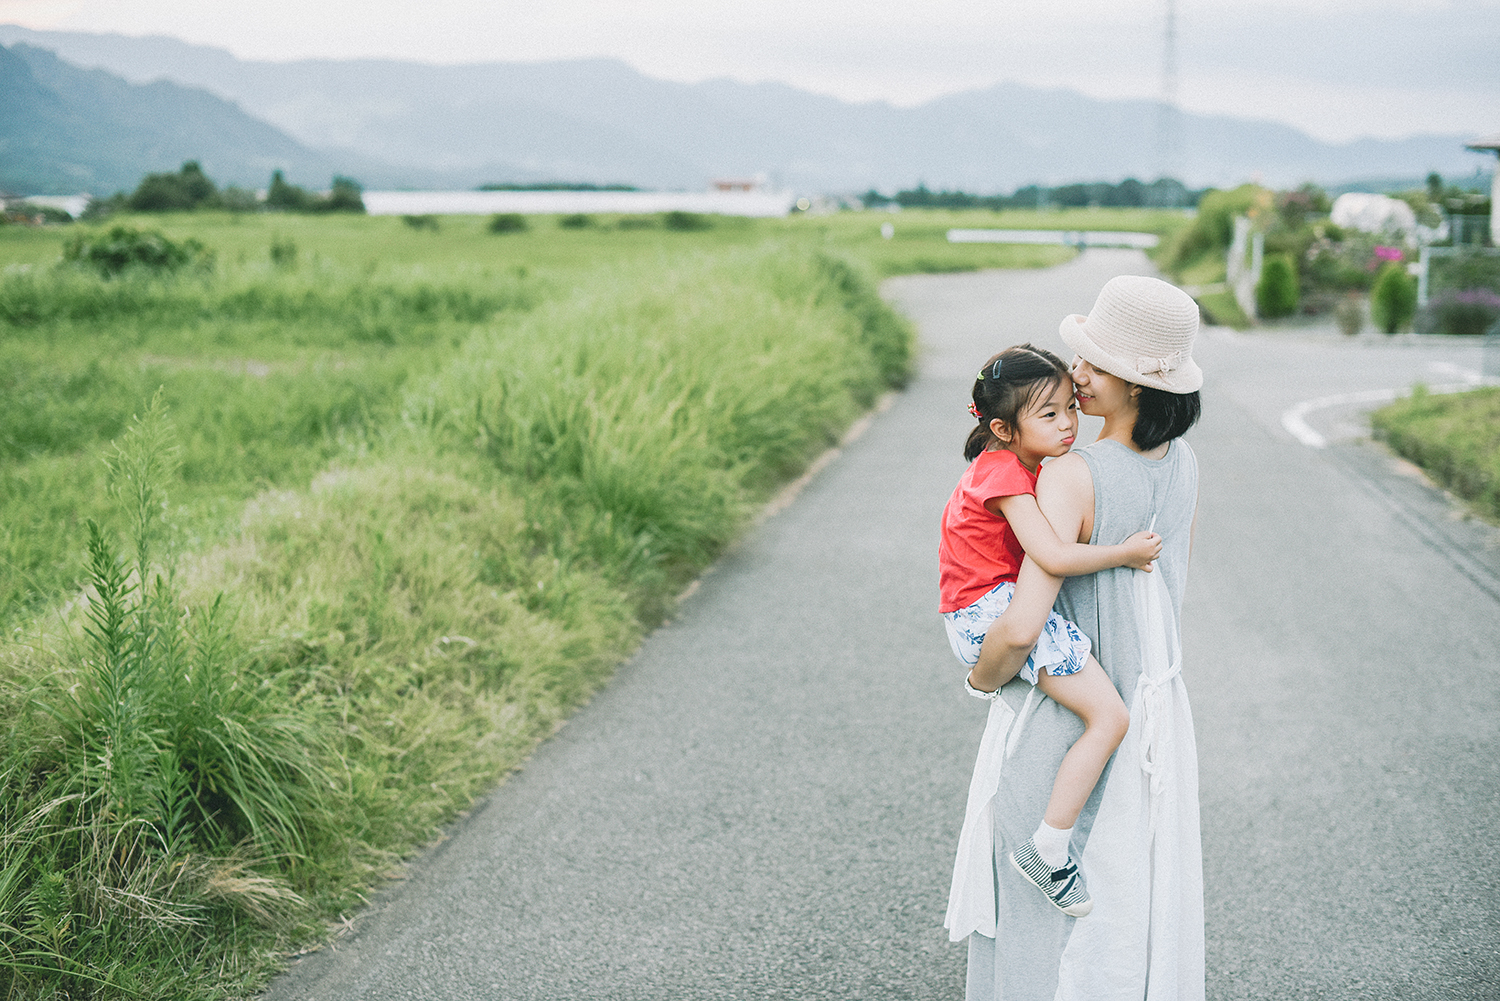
(1137, 840)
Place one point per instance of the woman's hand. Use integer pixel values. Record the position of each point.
(1142, 548)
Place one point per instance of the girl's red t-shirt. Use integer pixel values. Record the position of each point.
(978, 549)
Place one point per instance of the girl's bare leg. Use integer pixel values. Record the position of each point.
(1091, 696)
(1011, 637)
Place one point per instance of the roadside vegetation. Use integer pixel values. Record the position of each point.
(312, 525)
(1454, 437)
(1314, 267)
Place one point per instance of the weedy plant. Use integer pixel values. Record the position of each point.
(124, 248)
(152, 800)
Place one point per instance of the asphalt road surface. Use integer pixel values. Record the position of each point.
(764, 803)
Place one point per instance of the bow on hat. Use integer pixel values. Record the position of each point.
(1154, 366)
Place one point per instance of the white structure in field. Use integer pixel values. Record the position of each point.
(1373, 214)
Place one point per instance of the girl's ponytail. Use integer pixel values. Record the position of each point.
(1007, 384)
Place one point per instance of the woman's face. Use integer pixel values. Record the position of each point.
(1100, 394)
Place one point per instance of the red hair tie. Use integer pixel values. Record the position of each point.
(975, 411)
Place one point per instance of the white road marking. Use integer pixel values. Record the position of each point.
(1294, 419)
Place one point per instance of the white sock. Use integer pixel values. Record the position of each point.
(1052, 844)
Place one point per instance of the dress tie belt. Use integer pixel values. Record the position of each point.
(1155, 710)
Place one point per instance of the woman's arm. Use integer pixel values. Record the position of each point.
(1070, 559)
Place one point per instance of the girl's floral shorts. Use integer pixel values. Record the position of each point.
(1060, 650)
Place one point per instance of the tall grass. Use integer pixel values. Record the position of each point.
(225, 740)
(153, 797)
(270, 374)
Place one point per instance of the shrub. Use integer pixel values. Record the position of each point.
(285, 196)
(508, 222)
(344, 195)
(1469, 313)
(1294, 207)
(1394, 298)
(283, 252)
(1276, 292)
(421, 222)
(576, 221)
(185, 190)
(236, 199)
(686, 222)
(145, 250)
(1349, 314)
(1213, 229)
(1464, 270)
(29, 214)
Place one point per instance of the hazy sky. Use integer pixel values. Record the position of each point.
(1336, 68)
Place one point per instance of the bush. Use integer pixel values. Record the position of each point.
(1213, 229)
(144, 250)
(236, 199)
(686, 222)
(29, 214)
(1468, 313)
(284, 253)
(1394, 298)
(1339, 260)
(344, 196)
(1463, 271)
(285, 196)
(1276, 292)
(421, 222)
(1349, 314)
(183, 191)
(576, 221)
(508, 222)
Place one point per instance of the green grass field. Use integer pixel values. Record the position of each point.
(1455, 437)
(302, 552)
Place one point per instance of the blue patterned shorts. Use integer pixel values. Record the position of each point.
(1060, 650)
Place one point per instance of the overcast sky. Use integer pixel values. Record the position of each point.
(1337, 68)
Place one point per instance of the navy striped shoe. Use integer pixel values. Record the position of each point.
(1064, 887)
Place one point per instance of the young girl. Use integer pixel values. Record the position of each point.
(1023, 399)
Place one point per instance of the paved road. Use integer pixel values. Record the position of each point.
(764, 802)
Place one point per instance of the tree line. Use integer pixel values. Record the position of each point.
(1165, 192)
(189, 189)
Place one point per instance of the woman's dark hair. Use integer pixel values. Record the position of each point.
(1008, 384)
(1163, 416)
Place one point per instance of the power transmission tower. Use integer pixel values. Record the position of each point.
(1169, 122)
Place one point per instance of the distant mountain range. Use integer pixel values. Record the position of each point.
(392, 123)
(66, 130)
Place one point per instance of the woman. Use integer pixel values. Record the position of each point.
(1137, 838)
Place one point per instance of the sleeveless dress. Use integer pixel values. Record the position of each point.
(1137, 839)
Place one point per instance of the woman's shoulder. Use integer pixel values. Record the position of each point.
(1069, 469)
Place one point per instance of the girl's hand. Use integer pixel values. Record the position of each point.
(1142, 549)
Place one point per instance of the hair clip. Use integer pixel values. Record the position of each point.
(995, 368)
(975, 411)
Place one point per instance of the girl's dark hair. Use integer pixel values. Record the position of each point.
(1009, 383)
(1163, 416)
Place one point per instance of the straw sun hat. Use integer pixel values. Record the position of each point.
(1140, 329)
